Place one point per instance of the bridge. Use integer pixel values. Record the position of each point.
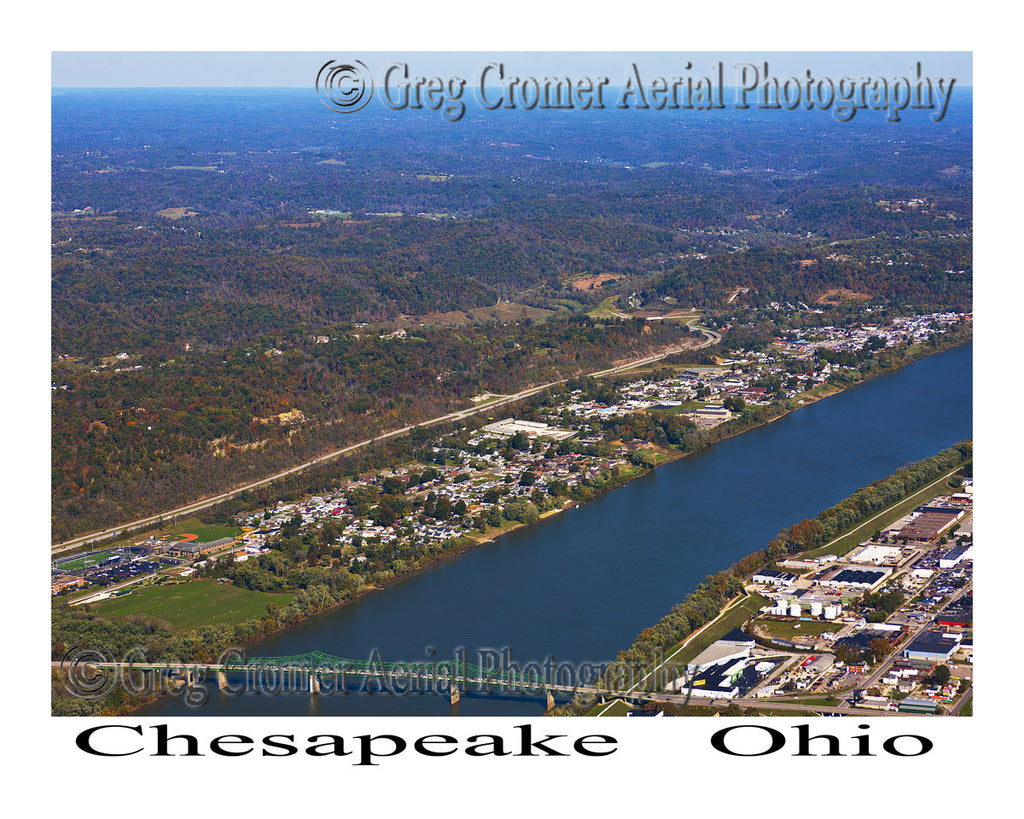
(316, 672)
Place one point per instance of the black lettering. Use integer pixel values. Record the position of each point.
(496, 743)
(863, 743)
(804, 732)
(366, 741)
(718, 740)
(599, 739)
(163, 737)
(287, 747)
(890, 745)
(84, 739)
(420, 745)
(336, 745)
(527, 746)
(217, 743)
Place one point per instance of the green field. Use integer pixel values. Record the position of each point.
(205, 532)
(606, 308)
(85, 562)
(191, 605)
(686, 406)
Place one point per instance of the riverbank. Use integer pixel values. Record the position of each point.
(518, 555)
(675, 629)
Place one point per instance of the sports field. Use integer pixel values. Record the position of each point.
(85, 561)
(203, 532)
(190, 605)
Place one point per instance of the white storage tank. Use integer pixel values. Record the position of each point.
(794, 610)
(832, 612)
(815, 609)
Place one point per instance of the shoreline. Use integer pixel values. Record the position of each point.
(669, 455)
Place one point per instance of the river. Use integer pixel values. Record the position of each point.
(579, 586)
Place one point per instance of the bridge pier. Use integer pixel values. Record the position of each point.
(551, 700)
(454, 695)
(314, 683)
(222, 680)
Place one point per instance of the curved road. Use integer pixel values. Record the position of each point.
(710, 336)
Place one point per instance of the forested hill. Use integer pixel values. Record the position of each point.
(220, 258)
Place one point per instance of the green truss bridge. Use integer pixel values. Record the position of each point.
(317, 672)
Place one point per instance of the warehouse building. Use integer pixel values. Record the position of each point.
(928, 523)
(775, 578)
(534, 429)
(962, 551)
(856, 578)
(932, 645)
(918, 705)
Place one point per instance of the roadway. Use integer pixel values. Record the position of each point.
(710, 337)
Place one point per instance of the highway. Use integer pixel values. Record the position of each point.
(710, 337)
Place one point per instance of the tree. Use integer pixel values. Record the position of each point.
(736, 404)
(941, 674)
(393, 486)
(643, 457)
(879, 647)
(522, 511)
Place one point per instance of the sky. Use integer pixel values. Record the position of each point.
(191, 69)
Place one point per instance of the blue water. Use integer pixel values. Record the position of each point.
(581, 585)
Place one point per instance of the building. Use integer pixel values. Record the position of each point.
(63, 582)
(734, 645)
(928, 523)
(718, 681)
(876, 554)
(197, 548)
(962, 551)
(534, 429)
(957, 615)
(775, 578)
(856, 578)
(918, 705)
(932, 645)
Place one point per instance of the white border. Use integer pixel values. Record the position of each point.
(673, 769)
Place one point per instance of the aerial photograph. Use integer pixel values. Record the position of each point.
(512, 384)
